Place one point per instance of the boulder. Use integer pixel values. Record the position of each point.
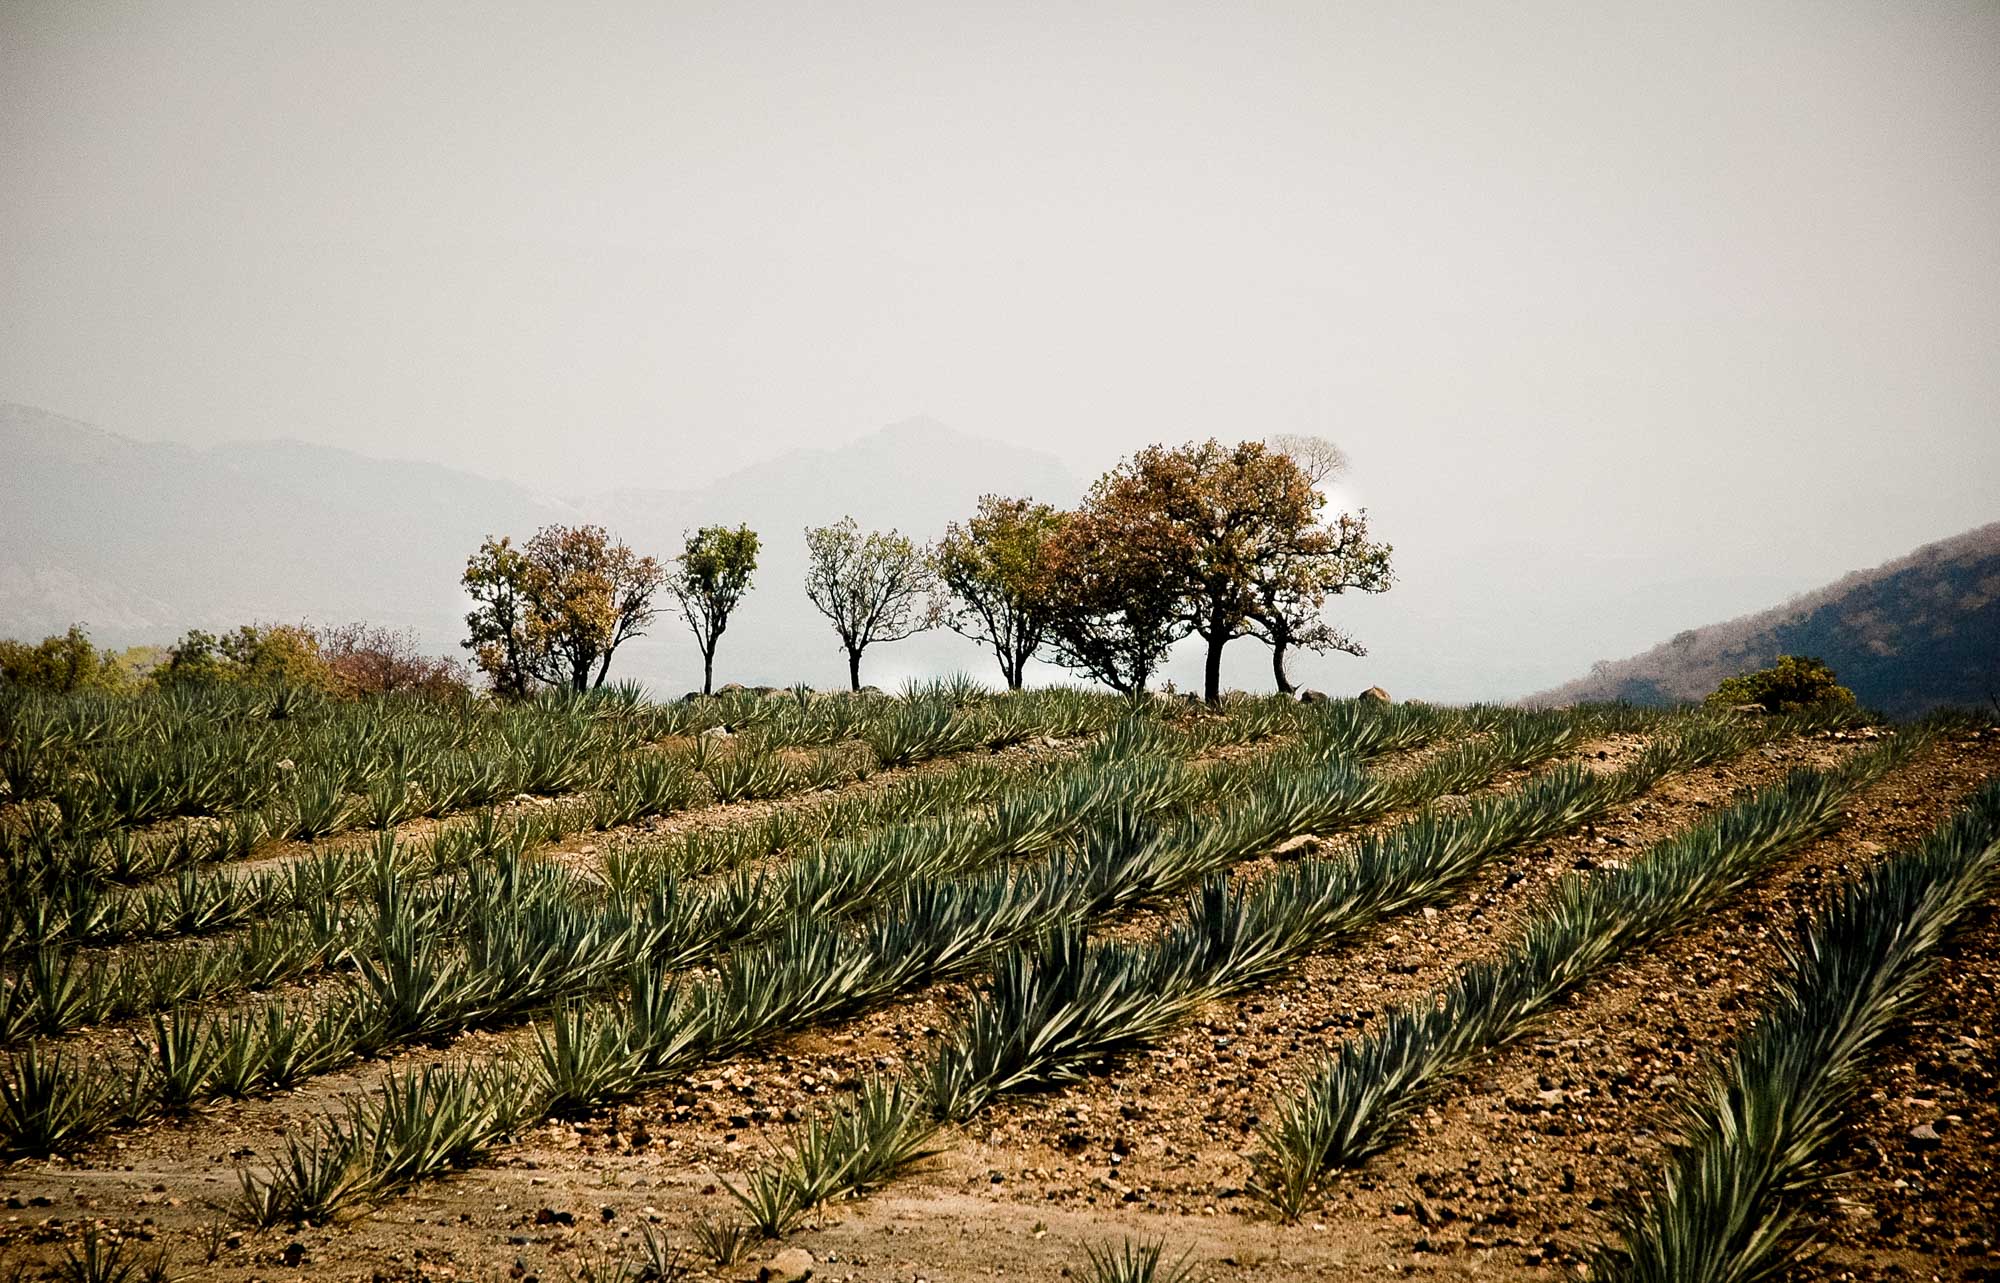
(1375, 695)
(1747, 710)
(1313, 697)
(729, 688)
(789, 1266)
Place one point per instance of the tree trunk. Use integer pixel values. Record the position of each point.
(603, 668)
(1212, 670)
(854, 669)
(1278, 645)
(708, 672)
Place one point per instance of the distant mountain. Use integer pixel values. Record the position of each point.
(143, 540)
(1908, 636)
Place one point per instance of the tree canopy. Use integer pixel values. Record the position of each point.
(1117, 588)
(996, 567)
(557, 607)
(1205, 539)
(710, 577)
(880, 587)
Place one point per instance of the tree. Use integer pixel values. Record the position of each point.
(713, 574)
(557, 607)
(1118, 583)
(1321, 460)
(1241, 513)
(881, 588)
(1291, 588)
(996, 568)
(496, 576)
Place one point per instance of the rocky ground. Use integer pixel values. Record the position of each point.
(1508, 1175)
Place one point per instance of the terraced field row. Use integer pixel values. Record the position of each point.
(1106, 957)
(64, 862)
(1059, 1005)
(533, 934)
(935, 924)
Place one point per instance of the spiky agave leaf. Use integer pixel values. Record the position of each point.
(1751, 1139)
(1353, 1107)
(50, 1105)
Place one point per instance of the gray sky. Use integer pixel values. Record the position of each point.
(1701, 294)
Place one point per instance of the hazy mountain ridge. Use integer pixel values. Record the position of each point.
(143, 540)
(1907, 636)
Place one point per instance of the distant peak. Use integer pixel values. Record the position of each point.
(916, 427)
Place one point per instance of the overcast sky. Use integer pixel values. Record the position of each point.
(1699, 293)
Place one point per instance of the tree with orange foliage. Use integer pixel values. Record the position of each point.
(1117, 580)
(1219, 541)
(557, 607)
(371, 660)
(1230, 511)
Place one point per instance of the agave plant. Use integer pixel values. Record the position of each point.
(1136, 1261)
(315, 1177)
(320, 803)
(586, 1058)
(752, 771)
(879, 1131)
(50, 1105)
(57, 993)
(723, 1242)
(1751, 1142)
(183, 1056)
(1354, 1106)
(105, 1259)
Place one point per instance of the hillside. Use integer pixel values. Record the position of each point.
(143, 540)
(1908, 636)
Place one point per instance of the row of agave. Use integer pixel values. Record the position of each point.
(1753, 1138)
(495, 941)
(632, 864)
(592, 1053)
(1356, 1104)
(1057, 1004)
(558, 752)
(201, 901)
(54, 992)
(64, 903)
(172, 755)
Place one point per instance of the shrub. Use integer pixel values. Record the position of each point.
(1795, 682)
(275, 655)
(63, 663)
(380, 661)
